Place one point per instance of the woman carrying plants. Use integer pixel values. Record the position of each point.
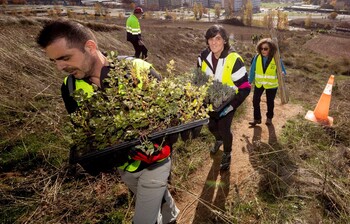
(264, 72)
(220, 61)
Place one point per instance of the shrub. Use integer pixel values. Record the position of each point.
(134, 106)
(333, 15)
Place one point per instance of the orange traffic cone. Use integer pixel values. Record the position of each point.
(320, 114)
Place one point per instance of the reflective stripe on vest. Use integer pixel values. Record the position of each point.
(227, 71)
(269, 78)
(141, 66)
(133, 25)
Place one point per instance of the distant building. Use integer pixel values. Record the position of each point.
(160, 4)
(46, 2)
(176, 3)
(237, 5)
(199, 2)
(169, 4)
(164, 4)
(212, 3)
(188, 2)
(140, 2)
(205, 3)
(343, 4)
(256, 5)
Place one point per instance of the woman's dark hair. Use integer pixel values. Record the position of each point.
(271, 44)
(214, 30)
(75, 34)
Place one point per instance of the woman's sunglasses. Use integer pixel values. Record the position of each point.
(264, 49)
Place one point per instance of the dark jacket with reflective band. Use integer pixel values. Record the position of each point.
(230, 69)
(71, 105)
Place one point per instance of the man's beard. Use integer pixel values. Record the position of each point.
(91, 64)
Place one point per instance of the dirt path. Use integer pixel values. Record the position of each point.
(212, 188)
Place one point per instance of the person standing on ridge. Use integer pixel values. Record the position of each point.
(226, 66)
(133, 33)
(263, 72)
(73, 48)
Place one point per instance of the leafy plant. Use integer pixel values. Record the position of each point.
(134, 106)
(218, 93)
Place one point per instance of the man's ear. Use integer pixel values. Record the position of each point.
(90, 46)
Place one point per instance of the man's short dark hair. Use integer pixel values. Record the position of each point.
(214, 30)
(75, 34)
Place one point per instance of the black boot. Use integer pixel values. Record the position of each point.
(268, 121)
(216, 147)
(225, 161)
(255, 122)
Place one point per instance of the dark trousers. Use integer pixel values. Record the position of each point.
(270, 100)
(139, 49)
(221, 128)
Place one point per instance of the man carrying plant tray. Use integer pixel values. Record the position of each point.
(74, 50)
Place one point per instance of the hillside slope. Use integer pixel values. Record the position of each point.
(295, 171)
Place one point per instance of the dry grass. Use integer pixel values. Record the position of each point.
(305, 176)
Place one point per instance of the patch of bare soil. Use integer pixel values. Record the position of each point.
(330, 46)
(181, 41)
(211, 189)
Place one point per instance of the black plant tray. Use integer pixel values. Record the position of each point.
(105, 160)
(217, 111)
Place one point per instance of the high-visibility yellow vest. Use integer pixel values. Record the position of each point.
(133, 25)
(227, 71)
(139, 66)
(80, 84)
(268, 79)
(131, 166)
